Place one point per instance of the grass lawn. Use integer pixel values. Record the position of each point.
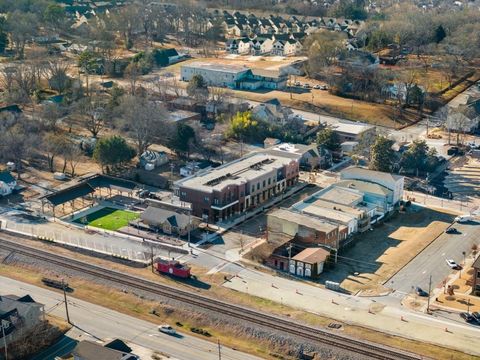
(108, 218)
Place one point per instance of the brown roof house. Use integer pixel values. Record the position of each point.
(89, 350)
(169, 221)
(309, 262)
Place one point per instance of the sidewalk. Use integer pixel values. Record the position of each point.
(456, 206)
(98, 241)
(357, 311)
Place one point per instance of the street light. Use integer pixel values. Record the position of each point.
(4, 338)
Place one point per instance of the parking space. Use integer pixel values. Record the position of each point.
(375, 256)
(432, 260)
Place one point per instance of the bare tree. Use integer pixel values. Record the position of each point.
(132, 73)
(93, 113)
(53, 145)
(18, 141)
(58, 76)
(145, 121)
(50, 115)
(72, 155)
(22, 27)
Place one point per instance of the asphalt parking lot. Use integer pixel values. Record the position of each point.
(431, 261)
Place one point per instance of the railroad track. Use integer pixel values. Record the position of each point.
(287, 326)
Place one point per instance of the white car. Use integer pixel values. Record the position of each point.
(167, 329)
(452, 264)
(463, 218)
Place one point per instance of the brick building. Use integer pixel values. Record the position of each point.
(476, 277)
(284, 225)
(232, 189)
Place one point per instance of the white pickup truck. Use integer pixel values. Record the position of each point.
(466, 218)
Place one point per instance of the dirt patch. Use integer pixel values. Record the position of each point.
(377, 255)
(40, 337)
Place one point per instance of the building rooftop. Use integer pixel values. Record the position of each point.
(89, 350)
(476, 263)
(216, 67)
(304, 220)
(349, 127)
(330, 214)
(235, 172)
(359, 172)
(181, 115)
(312, 255)
(338, 207)
(340, 195)
(365, 186)
(292, 151)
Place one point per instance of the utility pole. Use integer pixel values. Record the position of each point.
(289, 248)
(66, 302)
(429, 291)
(4, 339)
(151, 257)
(219, 351)
(189, 226)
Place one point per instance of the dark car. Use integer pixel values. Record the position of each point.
(420, 292)
(476, 316)
(452, 231)
(467, 317)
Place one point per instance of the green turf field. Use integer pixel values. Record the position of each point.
(108, 218)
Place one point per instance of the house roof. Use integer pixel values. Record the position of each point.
(118, 345)
(349, 127)
(273, 101)
(6, 177)
(312, 255)
(476, 263)
(156, 216)
(89, 350)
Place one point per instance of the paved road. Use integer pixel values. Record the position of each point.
(431, 261)
(104, 323)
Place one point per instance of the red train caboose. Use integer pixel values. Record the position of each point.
(173, 268)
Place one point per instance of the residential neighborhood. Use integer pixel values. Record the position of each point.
(239, 180)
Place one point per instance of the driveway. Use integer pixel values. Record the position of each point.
(431, 261)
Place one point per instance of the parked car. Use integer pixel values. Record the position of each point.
(167, 329)
(420, 292)
(452, 231)
(453, 264)
(143, 193)
(324, 87)
(467, 317)
(306, 86)
(476, 315)
(463, 218)
(317, 87)
(298, 83)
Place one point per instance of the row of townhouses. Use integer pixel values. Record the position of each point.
(273, 44)
(239, 24)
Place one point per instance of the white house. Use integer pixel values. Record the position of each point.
(261, 46)
(244, 46)
(7, 183)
